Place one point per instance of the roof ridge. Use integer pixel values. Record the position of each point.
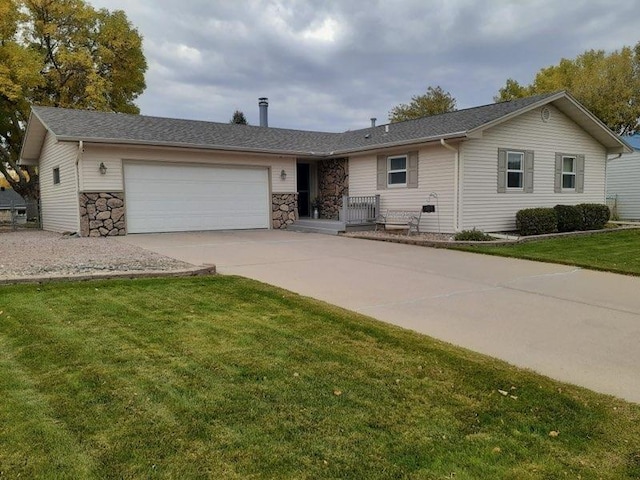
(530, 97)
(174, 119)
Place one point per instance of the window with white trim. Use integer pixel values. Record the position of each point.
(568, 172)
(397, 171)
(515, 170)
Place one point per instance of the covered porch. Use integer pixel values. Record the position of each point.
(324, 204)
(355, 214)
(321, 185)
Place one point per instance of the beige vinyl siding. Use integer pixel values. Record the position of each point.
(60, 203)
(91, 180)
(623, 180)
(435, 174)
(484, 208)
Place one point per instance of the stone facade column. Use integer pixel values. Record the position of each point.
(102, 214)
(333, 183)
(284, 209)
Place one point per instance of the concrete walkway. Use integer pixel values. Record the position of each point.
(574, 325)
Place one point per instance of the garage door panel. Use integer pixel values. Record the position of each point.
(174, 198)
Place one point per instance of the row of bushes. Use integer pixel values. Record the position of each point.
(562, 218)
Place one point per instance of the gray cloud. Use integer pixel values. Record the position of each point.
(330, 65)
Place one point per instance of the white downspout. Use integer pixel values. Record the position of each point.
(78, 157)
(606, 172)
(456, 181)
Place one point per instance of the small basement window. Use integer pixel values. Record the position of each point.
(397, 171)
(56, 175)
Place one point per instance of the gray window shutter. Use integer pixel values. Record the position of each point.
(557, 184)
(528, 171)
(502, 170)
(579, 173)
(382, 172)
(412, 170)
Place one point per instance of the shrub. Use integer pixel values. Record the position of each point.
(472, 236)
(594, 215)
(536, 221)
(569, 218)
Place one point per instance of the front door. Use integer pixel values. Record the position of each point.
(304, 190)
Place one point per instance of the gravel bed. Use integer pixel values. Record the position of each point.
(400, 234)
(35, 253)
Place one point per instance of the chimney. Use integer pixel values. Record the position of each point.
(263, 104)
(373, 122)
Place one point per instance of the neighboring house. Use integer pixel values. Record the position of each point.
(111, 174)
(11, 203)
(623, 182)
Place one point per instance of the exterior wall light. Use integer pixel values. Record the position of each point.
(283, 175)
(102, 168)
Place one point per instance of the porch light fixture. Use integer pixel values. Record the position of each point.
(102, 168)
(283, 175)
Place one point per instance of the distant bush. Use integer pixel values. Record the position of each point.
(472, 236)
(536, 221)
(594, 215)
(569, 218)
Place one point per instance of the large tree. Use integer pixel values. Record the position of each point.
(62, 53)
(435, 101)
(607, 84)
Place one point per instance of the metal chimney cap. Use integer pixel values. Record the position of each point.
(263, 105)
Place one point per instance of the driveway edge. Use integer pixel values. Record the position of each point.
(200, 271)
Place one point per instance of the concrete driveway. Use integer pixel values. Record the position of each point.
(574, 325)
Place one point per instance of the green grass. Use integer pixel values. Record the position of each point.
(616, 251)
(223, 377)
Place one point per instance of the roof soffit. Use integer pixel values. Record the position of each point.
(33, 141)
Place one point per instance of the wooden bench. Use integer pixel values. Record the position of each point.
(409, 219)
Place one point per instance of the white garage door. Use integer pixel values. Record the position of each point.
(181, 198)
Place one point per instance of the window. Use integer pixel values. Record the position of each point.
(515, 170)
(397, 171)
(568, 173)
(56, 175)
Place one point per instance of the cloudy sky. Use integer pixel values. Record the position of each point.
(330, 65)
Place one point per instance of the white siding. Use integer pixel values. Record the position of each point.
(435, 174)
(91, 180)
(59, 203)
(623, 180)
(483, 208)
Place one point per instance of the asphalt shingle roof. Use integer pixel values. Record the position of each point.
(434, 126)
(125, 128)
(9, 196)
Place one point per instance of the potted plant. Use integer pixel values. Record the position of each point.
(316, 205)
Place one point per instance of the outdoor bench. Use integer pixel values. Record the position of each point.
(409, 219)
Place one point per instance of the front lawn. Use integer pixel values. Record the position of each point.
(616, 251)
(223, 377)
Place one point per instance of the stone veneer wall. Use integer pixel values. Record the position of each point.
(284, 209)
(333, 183)
(102, 214)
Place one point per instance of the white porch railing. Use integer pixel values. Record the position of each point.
(362, 209)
